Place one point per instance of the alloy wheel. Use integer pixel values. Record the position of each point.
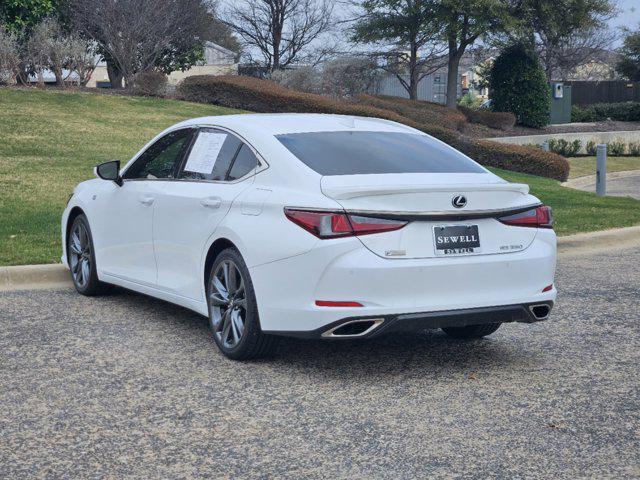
(228, 304)
(80, 253)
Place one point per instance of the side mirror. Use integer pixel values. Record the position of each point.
(109, 171)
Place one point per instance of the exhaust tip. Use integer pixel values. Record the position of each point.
(354, 328)
(540, 312)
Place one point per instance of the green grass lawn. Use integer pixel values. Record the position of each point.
(50, 141)
(581, 166)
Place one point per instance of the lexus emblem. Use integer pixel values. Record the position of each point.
(459, 201)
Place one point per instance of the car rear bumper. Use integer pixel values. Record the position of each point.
(370, 327)
(344, 270)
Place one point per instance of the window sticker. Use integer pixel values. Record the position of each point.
(205, 152)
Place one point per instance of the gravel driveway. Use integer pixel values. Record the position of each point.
(128, 386)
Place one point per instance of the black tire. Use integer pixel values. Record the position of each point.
(472, 331)
(252, 342)
(90, 285)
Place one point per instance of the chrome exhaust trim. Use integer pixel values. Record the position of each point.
(540, 311)
(375, 323)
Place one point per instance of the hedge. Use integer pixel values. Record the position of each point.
(623, 111)
(417, 110)
(257, 95)
(499, 120)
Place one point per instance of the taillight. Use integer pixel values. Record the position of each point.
(334, 224)
(539, 217)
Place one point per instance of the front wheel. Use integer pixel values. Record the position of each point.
(233, 312)
(82, 258)
(472, 331)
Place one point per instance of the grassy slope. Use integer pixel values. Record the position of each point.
(576, 211)
(49, 141)
(581, 166)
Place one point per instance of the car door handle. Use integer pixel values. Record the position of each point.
(211, 202)
(146, 199)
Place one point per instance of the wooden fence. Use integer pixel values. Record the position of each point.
(609, 91)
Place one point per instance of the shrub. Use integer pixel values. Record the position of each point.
(622, 111)
(591, 147)
(616, 148)
(349, 76)
(499, 120)
(564, 147)
(151, 83)
(469, 100)
(582, 114)
(634, 149)
(428, 113)
(9, 55)
(265, 96)
(302, 79)
(518, 85)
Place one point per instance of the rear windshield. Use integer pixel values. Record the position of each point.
(352, 153)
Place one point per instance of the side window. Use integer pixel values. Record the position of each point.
(244, 163)
(160, 159)
(211, 155)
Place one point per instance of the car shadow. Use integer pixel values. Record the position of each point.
(395, 354)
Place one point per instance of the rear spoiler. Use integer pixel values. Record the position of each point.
(446, 215)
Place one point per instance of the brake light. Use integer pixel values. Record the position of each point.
(333, 224)
(539, 217)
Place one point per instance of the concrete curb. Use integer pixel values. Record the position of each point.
(579, 183)
(26, 277)
(601, 240)
(34, 276)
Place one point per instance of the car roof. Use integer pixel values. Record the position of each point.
(281, 123)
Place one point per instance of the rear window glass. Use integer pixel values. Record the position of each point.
(352, 153)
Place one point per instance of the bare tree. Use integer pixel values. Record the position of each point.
(349, 76)
(9, 55)
(137, 35)
(563, 56)
(406, 37)
(280, 30)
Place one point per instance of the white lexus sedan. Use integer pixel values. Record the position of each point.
(315, 226)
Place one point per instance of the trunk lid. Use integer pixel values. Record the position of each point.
(426, 200)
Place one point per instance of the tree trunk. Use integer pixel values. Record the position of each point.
(115, 75)
(452, 77)
(414, 75)
(57, 71)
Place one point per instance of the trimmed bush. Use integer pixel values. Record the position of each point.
(564, 147)
(616, 148)
(267, 97)
(634, 149)
(149, 84)
(518, 85)
(591, 148)
(420, 111)
(499, 120)
(622, 111)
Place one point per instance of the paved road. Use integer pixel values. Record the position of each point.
(619, 184)
(125, 385)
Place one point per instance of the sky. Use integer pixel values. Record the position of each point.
(629, 15)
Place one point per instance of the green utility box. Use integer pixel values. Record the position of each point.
(560, 103)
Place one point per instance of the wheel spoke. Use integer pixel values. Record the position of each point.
(221, 289)
(237, 322)
(242, 303)
(225, 274)
(226, 328)
(234, 330)
(85, 270)
(217, 299)
(75, 243)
